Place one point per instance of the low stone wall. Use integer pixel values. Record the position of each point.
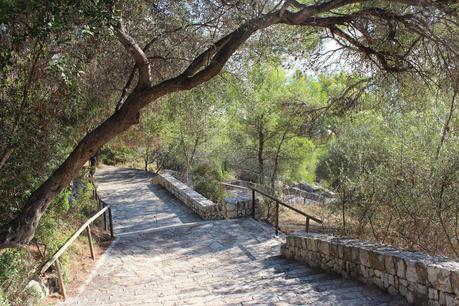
(203, 207)
(237, 207)
(420, 278)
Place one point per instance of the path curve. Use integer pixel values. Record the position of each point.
(165, 255)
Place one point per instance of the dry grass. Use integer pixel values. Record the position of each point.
(291, 221)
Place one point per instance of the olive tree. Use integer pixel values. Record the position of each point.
(394, 36)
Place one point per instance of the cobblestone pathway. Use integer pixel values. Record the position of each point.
(165, 256)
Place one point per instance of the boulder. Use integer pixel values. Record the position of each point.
(34, 292)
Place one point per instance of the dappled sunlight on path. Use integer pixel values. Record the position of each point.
(165, 255)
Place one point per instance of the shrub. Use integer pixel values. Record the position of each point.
(15, 264)
(207, 178)
(393, 185)
(3, 299)
(112, 155)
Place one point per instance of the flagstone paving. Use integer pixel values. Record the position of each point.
(165, 255)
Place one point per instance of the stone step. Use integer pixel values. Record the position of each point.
(226, 262)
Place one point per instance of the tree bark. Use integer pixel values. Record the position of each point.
(146, 159)
(276, 158)
(22, 228)
(260, 155)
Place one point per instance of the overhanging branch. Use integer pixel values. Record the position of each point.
(137, 54)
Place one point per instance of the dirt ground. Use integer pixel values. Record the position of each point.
(81, 264)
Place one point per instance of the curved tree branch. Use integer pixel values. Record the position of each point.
(137, 54)
(207, 65)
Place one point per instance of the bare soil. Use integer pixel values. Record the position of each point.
(81, 263)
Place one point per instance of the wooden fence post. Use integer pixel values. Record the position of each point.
(111, 221)
(253, 203)
(60, 279)
(277, 218)
(105, 215)
(91, 248)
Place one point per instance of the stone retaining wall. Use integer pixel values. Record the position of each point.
(420, 278)
(203, 207)
(238, 207)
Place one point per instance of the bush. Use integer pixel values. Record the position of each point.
(3, 299)
(52, 230)
(392, 184)
(55, 227)
(112, 155)
(15, 265)
(85, 204)
(207, 178)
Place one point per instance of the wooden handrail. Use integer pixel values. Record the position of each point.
(55, 258)
(69, 241)
(286, 205)
(278, 203)
(235, 186)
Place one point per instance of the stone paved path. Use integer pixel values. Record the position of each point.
(165, 256)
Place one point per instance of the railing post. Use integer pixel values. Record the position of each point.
(111, 221)
(307, 224)
(60, 279)
(277, 218)
(105, 215)
(94, 194)
(253, 203)
(91, 248)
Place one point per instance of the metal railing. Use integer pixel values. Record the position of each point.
(278, 203)
(107, 213)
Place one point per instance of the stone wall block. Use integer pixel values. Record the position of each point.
(304, 244)
(454, 277)
(293, 242)
(377, 261)
(355, 255)
(333, 250)
(411, 274)
(324, 247)
(392, 290)
(364, 256)
(378, 282)
(439, 277)
(421, 279)
(401, 267)
(451, 300)
(389, 265)
(421, 272)
(340, 251)
(432, 294)
(421, 292)
(284, 250)
(347, 253)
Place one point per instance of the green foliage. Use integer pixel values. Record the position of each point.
(13, 262)
(62, 219)
(51, 230)
(207, 179)
(15, 265)
(3, 299)
(390, 177)
(46, 98)
(116, 154)
(267, 128)
(300, 158)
